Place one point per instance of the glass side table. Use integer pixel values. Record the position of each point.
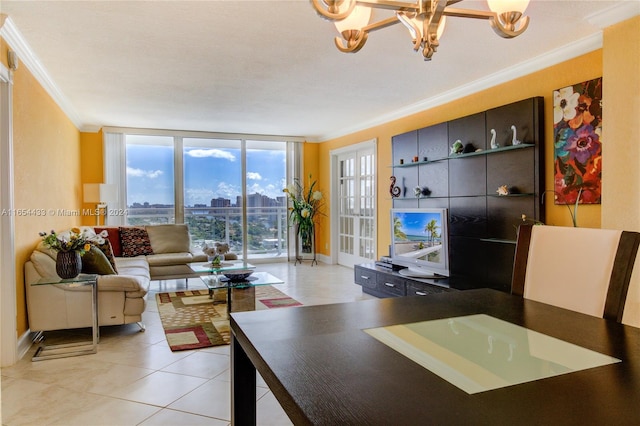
(77, 348)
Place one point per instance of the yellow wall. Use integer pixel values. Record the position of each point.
(621, 130)
(92, 168)
(541, 83)
(47, 181)
(621, 126)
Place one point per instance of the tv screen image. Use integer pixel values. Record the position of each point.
(420, 240)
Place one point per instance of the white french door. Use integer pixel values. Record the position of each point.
(355, 175)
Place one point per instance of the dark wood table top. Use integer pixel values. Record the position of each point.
(325, 370)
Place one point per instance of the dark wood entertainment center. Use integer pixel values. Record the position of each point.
(482, 223)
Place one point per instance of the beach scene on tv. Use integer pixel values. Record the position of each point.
(417, 235)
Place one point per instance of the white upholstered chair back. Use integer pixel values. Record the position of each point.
(581, 269)
(632, 306)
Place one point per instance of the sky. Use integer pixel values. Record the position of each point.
(209, 173)
(413, 223)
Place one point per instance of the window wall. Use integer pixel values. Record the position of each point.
(225, 189)
(150, 180)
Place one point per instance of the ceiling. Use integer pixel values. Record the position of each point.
(270, 67)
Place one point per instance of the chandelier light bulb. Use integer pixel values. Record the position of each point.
(358, 19)
(506, 6)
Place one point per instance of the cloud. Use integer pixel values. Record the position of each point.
(151, 174)
(254, 176)
(213, 153)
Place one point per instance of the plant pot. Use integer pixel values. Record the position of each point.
(68, 264)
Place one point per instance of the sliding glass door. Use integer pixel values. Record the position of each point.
(226, 190)
(213, 191)
(150, 180)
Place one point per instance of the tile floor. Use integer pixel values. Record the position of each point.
(135, 379)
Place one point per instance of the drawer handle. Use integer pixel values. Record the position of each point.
(421, 293)
(364, 277)
(390, 285)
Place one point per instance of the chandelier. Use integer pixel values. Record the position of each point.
(425, 20)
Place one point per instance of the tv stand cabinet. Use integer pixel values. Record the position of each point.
(383, 282)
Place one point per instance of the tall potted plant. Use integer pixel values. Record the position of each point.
(305, 205)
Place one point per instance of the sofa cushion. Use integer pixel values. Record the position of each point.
(172, 238)
(137, 266)
(113, 235)
(43, 263)
(94, 261)
(135, 241)
(169, 259)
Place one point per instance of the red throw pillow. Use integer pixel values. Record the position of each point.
(134, 241)
(113, 237)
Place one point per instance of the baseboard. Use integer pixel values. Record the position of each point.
(324, 259)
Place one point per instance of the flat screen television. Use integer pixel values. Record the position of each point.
(420, 241)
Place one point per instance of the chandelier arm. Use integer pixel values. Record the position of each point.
(466, 13)
(391, 5)
(353, 39)
(509, 31)
(406, 20)
(380, 24)
(435, 17)
(318, 5)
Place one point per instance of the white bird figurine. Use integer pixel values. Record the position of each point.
(494, 144)
(514, 140)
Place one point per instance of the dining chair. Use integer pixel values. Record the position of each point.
(582, 269)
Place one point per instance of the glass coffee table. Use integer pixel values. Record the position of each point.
(241, 292)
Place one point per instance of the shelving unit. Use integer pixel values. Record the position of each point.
(482, 223)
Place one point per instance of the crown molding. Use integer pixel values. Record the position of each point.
(16, 41)
(617, 13)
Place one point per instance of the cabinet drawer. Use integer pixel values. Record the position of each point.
(419, 289)
(391, 285)
(365, 277)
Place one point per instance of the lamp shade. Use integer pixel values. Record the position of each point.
(100, 192)
(505, 6)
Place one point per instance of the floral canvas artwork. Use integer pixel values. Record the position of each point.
(577, 131)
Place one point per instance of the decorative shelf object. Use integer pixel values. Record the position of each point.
(493, 151)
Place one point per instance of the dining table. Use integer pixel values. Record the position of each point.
(472, 357)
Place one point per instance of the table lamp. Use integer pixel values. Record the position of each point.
(101, 194)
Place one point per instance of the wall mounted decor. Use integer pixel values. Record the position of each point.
(515, 141)
(494, 144)
(577, 130)
(394, 190)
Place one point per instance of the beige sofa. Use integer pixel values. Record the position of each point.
(121, 297)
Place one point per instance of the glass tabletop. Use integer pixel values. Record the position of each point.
(477, 353)
(255, 279)
(80, 279)
(207, 267)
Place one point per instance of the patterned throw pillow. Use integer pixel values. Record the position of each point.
(134, 241)
(113, 235)
(95, 262)
(108, 252)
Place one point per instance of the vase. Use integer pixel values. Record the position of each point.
(306, 239)
(68, 264)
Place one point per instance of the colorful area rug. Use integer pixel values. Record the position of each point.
(192, 320)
